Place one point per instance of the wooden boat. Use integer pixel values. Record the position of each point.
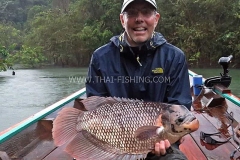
(31, 139)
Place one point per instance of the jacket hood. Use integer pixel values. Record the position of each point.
(156, 41)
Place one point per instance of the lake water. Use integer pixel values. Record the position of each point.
(32, 90)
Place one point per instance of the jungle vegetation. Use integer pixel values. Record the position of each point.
(66, 32)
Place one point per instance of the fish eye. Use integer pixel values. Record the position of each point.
(171, 111)
(181, 119)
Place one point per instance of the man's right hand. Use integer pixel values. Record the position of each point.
(161, 147)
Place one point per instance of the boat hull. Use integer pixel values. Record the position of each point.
(32, 138)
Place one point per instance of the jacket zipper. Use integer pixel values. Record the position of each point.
(138, 60)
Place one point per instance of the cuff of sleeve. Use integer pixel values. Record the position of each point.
(172, 153)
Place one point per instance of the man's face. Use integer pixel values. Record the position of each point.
(139, 21)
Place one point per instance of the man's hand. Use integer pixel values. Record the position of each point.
(160, 147)
(164, 151)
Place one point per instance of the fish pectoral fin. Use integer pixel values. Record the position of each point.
(146, 132)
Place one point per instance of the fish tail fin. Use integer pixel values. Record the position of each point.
(65, 125)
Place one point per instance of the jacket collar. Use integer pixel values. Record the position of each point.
(156, 40)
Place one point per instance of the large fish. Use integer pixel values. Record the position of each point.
(114, 128)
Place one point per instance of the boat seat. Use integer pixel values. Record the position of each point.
(212, 100)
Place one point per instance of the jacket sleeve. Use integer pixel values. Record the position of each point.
(178, 90)
(175, 154)
(95, 82)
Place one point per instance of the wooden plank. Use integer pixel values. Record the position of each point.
(58, 154)
(231, 107)
(218, 117)
(35, 141)
(19, 141)
(216, 152)
(191, 149)
(41, 150)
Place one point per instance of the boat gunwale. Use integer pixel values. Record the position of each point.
(10, 132)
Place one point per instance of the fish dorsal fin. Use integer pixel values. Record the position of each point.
(118, 99)
(146, 132)
(94, 102)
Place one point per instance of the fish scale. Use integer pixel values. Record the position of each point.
(118, 126)
(113, 128)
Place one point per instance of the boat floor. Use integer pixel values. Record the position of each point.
(35, 142)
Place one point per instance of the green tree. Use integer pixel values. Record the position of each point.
(15, 11)
(205, 30)
(71, 35)
(10, 38)
(9, 35)
(4, 64)
(29, 57)
(72, 29)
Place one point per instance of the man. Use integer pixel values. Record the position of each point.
(140, 64)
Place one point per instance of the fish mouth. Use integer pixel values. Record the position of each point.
(189, 119)
(190, 123)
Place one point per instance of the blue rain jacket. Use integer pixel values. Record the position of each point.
(157, 71)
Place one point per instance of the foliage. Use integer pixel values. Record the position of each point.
(10, 38)
(9, 35)
(209, 28)
(73, 39)
(5, 62)
(16, 11)
(68, 31)
(3, 55)
(28, 56)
